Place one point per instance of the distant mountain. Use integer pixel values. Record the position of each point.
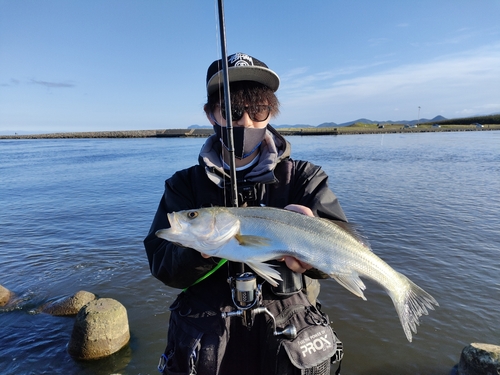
(362, 121)
(333, 124)
(423, 120)
(403, 122)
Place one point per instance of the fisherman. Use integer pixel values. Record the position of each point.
(200, 340)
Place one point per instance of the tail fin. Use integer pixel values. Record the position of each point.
(411, 304)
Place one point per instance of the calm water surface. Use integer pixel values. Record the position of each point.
(74, 212)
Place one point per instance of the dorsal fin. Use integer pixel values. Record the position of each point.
(353, 230)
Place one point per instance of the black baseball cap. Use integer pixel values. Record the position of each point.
(241, 67)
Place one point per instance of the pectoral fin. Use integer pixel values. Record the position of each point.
(249, 240)
(266, 271)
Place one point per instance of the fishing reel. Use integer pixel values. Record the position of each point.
(246, 295)
(247, 298)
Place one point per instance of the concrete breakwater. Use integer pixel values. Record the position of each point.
(174, 133)
(206, 132)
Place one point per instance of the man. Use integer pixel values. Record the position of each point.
(200, 340)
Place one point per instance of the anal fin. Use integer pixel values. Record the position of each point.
(266, 271)
(352, 283)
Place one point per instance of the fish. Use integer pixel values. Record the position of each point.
(255, 235)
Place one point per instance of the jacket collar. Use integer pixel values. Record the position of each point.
(274, 148)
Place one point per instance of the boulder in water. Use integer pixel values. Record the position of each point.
(69, 305)
(101, 329)
(479, 359)
(5, 295)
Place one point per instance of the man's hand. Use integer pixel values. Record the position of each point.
(300, 209)
(293, 263)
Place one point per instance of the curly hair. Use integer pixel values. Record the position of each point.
(242, 94)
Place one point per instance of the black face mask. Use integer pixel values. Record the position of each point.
(246, 140)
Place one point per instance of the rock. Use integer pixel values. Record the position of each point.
(69, 305)
(100, 329)
(5, 295)
(480, 359)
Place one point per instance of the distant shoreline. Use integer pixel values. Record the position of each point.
(203, 133)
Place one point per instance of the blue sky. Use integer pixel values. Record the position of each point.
(68, 65)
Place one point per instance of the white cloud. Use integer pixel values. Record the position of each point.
(297, 84)
(453, 85)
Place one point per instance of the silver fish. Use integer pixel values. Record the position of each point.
(255, 235)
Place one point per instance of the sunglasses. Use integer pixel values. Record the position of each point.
(256, 113)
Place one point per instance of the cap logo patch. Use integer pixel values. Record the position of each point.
(243, 68)
(240, 59)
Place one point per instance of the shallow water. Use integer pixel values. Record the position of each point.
(74, 213)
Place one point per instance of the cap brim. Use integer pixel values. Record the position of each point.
(248, 73)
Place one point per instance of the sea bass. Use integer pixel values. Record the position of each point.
(254, 235)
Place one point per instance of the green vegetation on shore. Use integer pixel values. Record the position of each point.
(360, 128)
(491, 119)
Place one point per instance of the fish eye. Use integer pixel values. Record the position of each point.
(192, 214)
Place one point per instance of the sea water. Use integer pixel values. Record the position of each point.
(74, 212)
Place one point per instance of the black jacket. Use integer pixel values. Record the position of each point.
(276, 181)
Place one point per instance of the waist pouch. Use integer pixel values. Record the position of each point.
(312, 351)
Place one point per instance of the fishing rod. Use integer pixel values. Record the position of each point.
(246, 294)
(239, 268)
(227, 102)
